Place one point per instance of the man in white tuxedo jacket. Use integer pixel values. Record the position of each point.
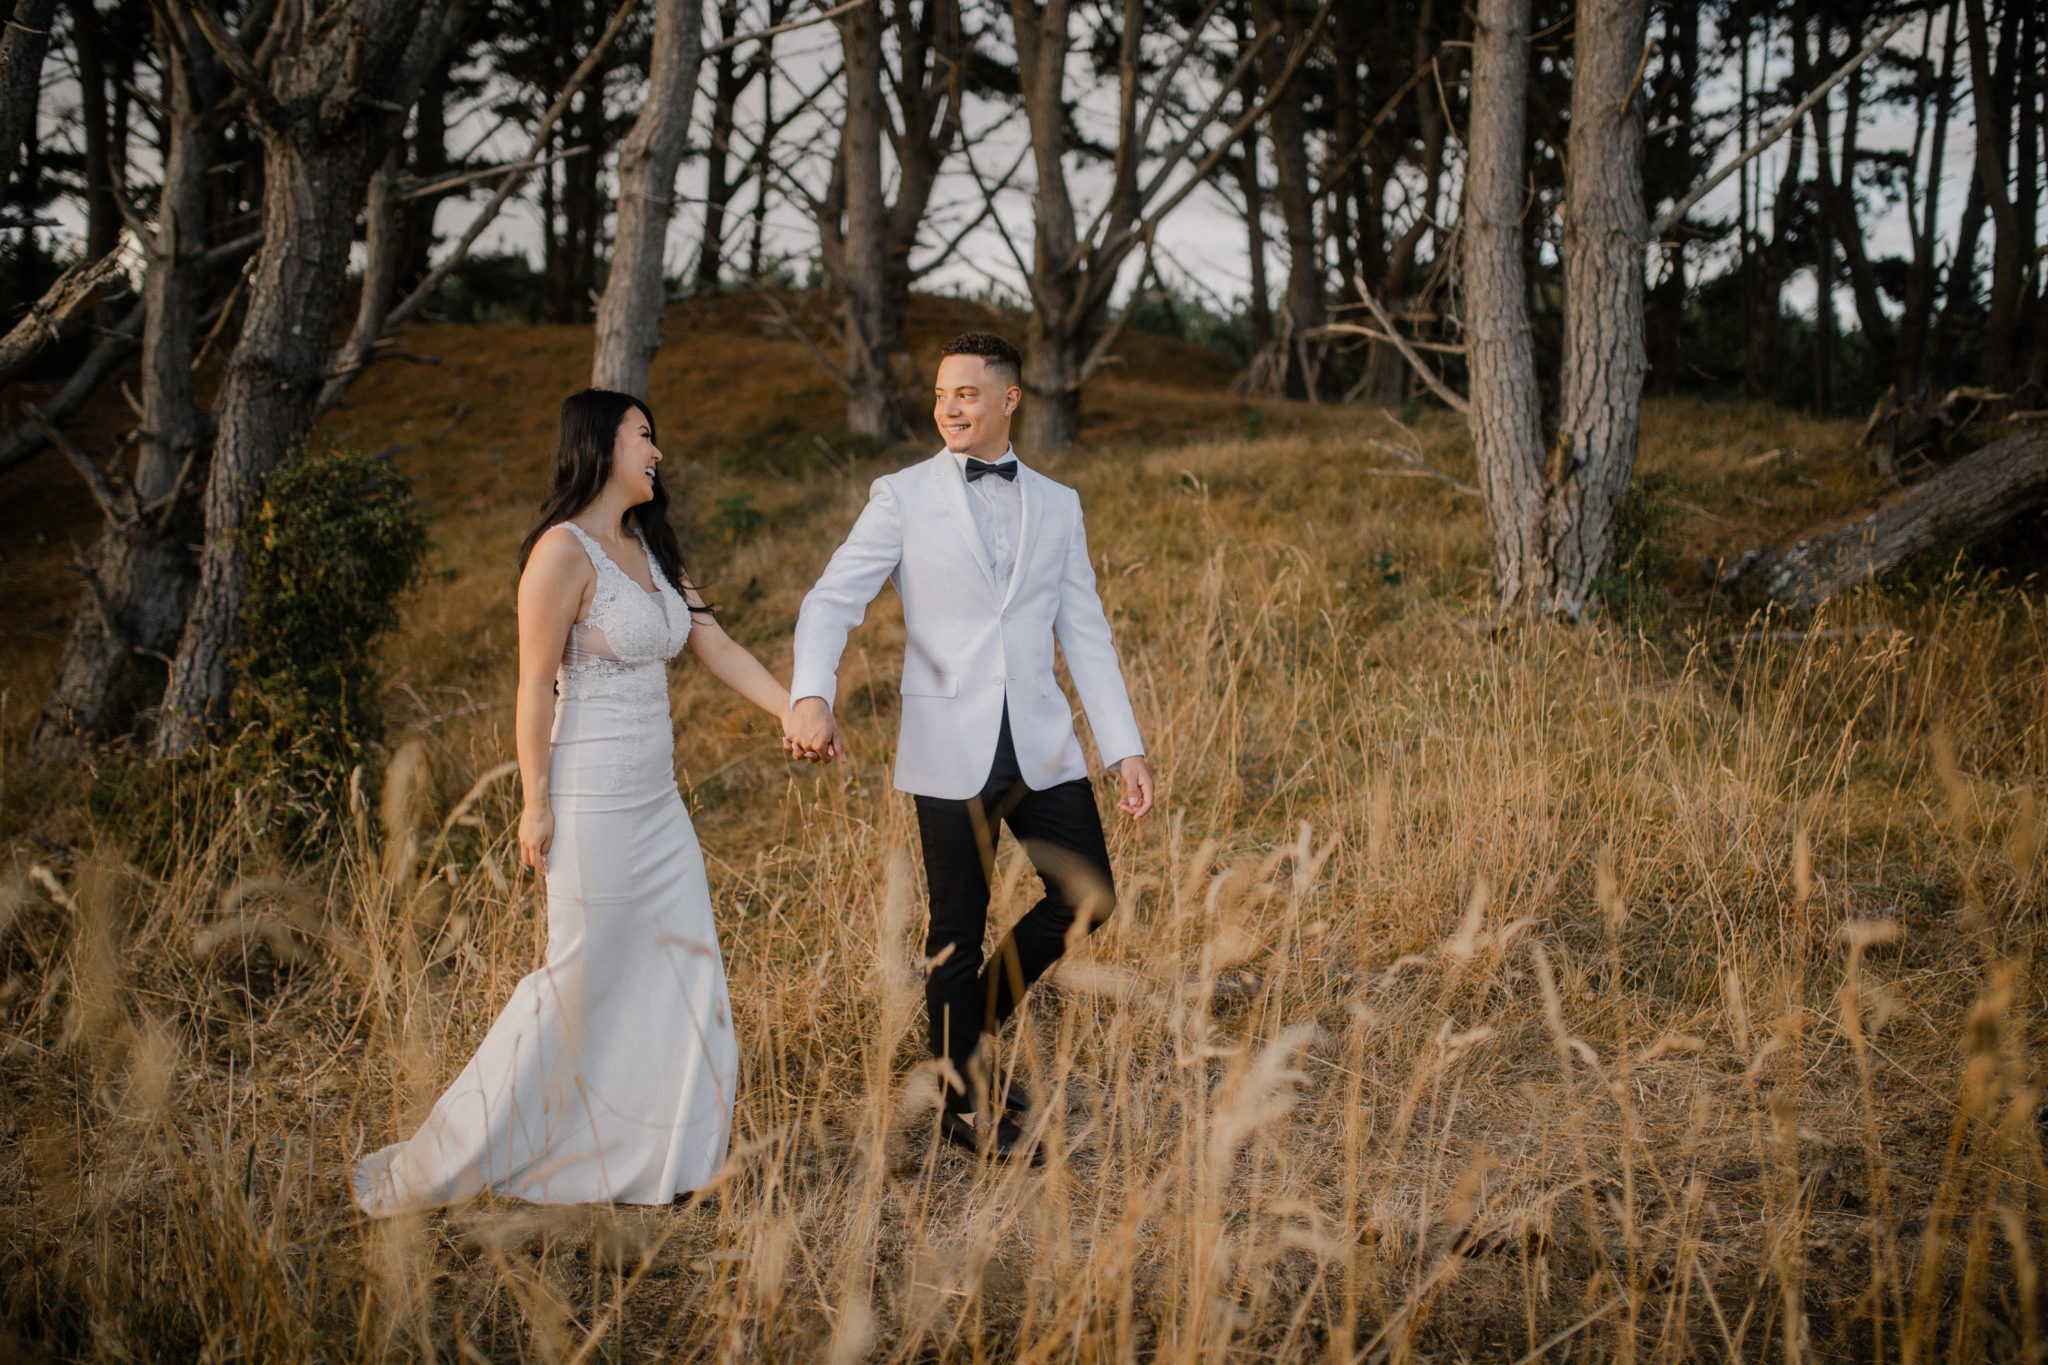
(992, 564)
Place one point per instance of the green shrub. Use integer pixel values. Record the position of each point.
(335, 542)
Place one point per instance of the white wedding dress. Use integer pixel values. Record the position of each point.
(609, 1075)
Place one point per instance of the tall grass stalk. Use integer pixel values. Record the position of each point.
(1476, 993)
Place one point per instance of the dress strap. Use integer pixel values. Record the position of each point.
(599, 560)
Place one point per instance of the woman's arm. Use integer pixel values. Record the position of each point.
(552, 595)
(732, 663)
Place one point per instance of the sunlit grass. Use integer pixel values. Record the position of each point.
(1476, 991)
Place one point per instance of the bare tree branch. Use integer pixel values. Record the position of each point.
(1408, 353)
(515, 177)
(1675, 215)
(789, 27)
(111, 504)
(1418, 468)
(1099, 354)
(263, 103)
(103, 359)
(75, 290)
(1237, 130)
(988, 205)
(422, 189)
(783, 316)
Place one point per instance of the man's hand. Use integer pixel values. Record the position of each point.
(809, 732)
(1138, 786)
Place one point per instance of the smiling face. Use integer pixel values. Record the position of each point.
(634, 457)
(972, 406)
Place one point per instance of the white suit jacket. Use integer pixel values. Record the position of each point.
(973, 642)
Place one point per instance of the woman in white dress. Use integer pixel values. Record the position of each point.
(609, 1075)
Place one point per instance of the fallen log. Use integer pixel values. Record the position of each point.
(1977, 498)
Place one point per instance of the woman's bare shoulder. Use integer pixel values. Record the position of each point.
(558, 556)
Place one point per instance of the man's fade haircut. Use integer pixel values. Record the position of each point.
(995, 352)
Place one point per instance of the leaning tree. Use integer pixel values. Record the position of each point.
(330, 95)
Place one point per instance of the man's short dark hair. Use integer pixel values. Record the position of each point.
(997, 353)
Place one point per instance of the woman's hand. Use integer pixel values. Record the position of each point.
(536, 834)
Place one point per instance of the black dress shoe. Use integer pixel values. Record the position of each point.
(1005, 1139)
(1015, 1101)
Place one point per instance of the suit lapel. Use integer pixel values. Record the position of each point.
(1027, 485)
(953, 490)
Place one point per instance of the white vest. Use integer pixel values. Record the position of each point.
(974, 642)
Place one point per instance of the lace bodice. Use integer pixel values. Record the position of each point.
(621, 646)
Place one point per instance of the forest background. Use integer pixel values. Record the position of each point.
(1619, 426)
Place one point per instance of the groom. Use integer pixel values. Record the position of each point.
(992, 564)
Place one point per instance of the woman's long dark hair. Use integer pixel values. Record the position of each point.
(584, 437)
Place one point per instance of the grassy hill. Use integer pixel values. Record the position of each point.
(1643, 992)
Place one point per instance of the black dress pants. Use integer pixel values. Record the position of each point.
(1061, 832)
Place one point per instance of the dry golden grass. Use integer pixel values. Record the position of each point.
(1476, 993)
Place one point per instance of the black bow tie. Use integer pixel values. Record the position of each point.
(976, 468)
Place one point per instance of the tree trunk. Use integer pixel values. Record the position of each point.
(139, 574)
(26, 39)
(1507, 416)
(1254, 194)
(1983, 494)
(718, 184)
(1775, 266)
(1959, 292)
(326, 122)
(1292, 188)
(1053, 350)
(1838, 201)
(1674, 167)
(862, 252)
(1387, 375)
(629, 315)
(1916, 316)
(1994, 129)
(1605, 231)
(102, 215)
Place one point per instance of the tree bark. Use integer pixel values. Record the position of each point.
(1604, 235)
(22, 47)
(726, 84)
(2009, 249)
(1072, 278)
(139, 574)
(102, 214)
(1916, 316)
(54, 315)
(865, 240)
(1061, 314)
(1507, 416)
(1838, 202)
(1980, 496)
(857, 255)
(326, 118)
(629, 314)
(1293, 190)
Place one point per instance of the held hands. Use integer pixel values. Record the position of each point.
(1138, 786)
(810, 733)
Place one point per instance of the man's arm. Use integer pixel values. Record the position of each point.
(832, 608)
(1083, 633)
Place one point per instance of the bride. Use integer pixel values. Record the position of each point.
(608, 1077)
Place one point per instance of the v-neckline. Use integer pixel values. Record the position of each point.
(613, 560)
